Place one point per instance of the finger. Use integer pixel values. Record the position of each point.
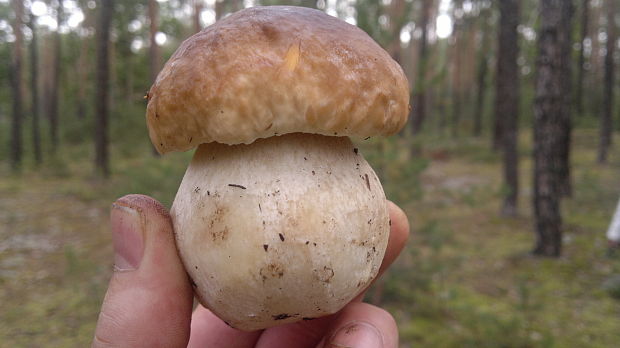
(308, 333)
(362, 325)
(302, 334)
(149, 299)
(399, 234)
(210, 331)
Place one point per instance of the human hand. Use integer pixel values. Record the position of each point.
(149, 298)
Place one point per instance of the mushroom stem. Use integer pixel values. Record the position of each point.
(286, 228)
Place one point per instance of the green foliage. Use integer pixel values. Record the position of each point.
(368, 13)
(466, 278)
(372, 16)
(447, 314)
(153, 177)
(398, 170)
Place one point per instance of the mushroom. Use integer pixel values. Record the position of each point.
(278, 218)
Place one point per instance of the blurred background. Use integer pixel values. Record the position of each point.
(506, 168)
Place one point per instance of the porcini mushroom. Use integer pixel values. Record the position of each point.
(278, 218)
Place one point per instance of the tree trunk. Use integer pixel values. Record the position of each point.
(102, 86)
(115, 59)
(419, 104)
(52, 93)
(34, 87)
(82, 71)
(507, 100)
(198, 4)
(16, 81)
(566, 46)
(224, 7)
(468, 62)
(395, 12)
(219, 9)
(585, 4)
(237, 5)
(549, 121)
(481, 77)
(154, 57)
(84, 63)
(608, 101)
(457, 36)
(595, 63)
(498, 118)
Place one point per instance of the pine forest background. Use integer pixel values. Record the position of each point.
(508, 168)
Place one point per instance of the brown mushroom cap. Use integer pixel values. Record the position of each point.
(268, 71)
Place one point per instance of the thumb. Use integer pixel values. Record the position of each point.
(149, 298)
(362, 325)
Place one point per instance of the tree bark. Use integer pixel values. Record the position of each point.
(395, 12)
(549, 123)
(566, 46)
(596, 66)
(481, 77)
(498, 118)
(585, 4)
(16, 81)
(84, 64)
(82, 71)
(507, 100)
(154, 57)
(483, 67)
(224, 7)
(102, 88)
(606, 123)
(34, 87)
(52, 93)
(197, 9)
(219, 9)
(237, 5)
(457, 36)
(114, 57)
(419, 104)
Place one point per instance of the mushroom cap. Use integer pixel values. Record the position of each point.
(274, 70)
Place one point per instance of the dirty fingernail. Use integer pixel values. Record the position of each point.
(127, 237)
(356, 335)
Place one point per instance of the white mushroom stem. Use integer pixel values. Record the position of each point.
(613, 232)
(288, 228)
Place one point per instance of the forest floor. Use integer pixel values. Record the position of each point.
(465, 279)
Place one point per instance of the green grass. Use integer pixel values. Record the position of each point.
(466, 278)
